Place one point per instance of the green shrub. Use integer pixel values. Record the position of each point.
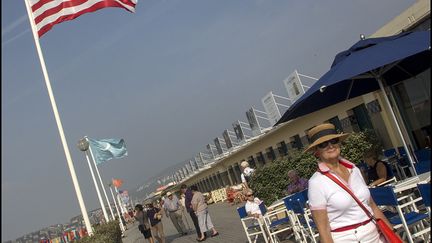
(358, 143)
(270, 181)
(105, 233)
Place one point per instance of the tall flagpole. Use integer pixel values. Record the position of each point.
(118, 213)
(59, 124)
(119, 201)
(97, 189)
(100, 179)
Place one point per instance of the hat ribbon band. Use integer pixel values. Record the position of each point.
(322, 133)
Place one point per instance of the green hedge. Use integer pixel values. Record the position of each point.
(105, 233)
(270, 181)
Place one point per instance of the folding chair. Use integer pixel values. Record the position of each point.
(390, 153)
(393, 160)
(425, 192)
(302, 216)
(275, 225)
(402, 163)
(423, 167)
(252, 226)
(423, 155)
(405, 218)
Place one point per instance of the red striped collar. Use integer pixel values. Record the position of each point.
(322, 167)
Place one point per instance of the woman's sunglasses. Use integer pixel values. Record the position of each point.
(249, 195)
(326, 143)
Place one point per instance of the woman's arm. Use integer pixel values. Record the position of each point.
(382, 174)
(322, 222)
(378, 213)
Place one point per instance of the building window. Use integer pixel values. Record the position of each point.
(296, 142)
(270, 154)
(362, 117)
(282, 148)
(336, 122)
(413, 101)
(260, 158)
(305, 140)
(251, 162)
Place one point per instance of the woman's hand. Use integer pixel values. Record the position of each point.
(321, 220)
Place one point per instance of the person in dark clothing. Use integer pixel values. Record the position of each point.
(379, 171)
(143, 220)
(155, 216)
(188, 198)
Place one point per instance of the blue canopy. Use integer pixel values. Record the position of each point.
(354, 71)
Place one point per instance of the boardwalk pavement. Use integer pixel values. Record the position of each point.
(224, 217)
(225, 220)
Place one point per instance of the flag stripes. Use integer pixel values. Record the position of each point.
(47, 13)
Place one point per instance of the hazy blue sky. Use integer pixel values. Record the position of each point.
(168, 79)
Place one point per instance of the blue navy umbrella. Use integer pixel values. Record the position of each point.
(363, 68)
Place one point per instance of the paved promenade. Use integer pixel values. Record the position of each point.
(225, 220)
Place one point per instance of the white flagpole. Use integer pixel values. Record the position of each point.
(118, 213)
(119, 201)
(97, 188)
(59, 124)
(100, 180)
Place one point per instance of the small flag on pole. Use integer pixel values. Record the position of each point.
(47, 13)
(107, 149)
(117, 182)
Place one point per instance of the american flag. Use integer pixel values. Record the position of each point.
(47, 13)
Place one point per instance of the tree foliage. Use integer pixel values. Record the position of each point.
(105, 233)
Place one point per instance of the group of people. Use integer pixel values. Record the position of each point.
(150, 222)
(150, 219)
(337, 215)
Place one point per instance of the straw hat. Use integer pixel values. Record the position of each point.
(322, 133)
(169, 194)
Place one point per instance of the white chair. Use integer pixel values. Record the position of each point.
(275, 224)
(252, 227)
(408, 220)
(425, 192)
(304, 224)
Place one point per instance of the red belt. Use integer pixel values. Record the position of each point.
(350, 227)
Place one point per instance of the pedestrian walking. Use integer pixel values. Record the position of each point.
(188, 205)
(172, 209)
(144, 226)
(246, 173)
(201, 210)
(155, 216)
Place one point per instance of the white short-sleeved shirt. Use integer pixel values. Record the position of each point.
(247, 171)
(342, 209)
(253, 207)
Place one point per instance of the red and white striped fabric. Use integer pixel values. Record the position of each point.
(47, 13)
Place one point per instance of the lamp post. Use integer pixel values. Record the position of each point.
(83, 145)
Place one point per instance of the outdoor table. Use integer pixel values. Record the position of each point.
(411, 182)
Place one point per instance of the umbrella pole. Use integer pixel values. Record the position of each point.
(379, 79)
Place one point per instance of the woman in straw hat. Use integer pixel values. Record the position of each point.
(338, 217)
